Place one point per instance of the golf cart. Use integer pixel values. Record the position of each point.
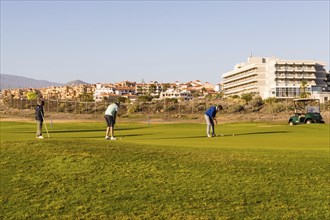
(307, 111)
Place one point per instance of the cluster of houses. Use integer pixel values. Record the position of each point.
(127, 89)
(267, 77)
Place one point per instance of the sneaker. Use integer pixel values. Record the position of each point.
(209, 136)
(40, 137)
(107, 138)
(213, 135)
(113, 138)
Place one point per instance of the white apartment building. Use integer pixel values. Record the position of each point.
(101, 90)
(274, 77)
(174, 93)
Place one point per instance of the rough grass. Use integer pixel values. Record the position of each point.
(265, 171)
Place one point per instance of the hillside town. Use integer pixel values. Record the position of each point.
(263, 77)
(111, 91)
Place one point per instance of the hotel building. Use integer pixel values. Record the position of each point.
(274, 77)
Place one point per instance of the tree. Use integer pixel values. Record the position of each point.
(219, 95)
(166, 86)
(32, 96)
(139, 89)
(122, 99)
(203, 90)
(86, 97)
(247, 97)
(234, 96)
(152, 88)
(303, 87)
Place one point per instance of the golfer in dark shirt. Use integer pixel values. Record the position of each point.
(39, 116)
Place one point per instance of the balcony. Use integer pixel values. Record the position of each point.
(295, 76)
(240, 71)
(241, 90)
(291, 69)
(239, 77)
(240, 83)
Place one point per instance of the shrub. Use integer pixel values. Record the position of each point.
(171, 100)
(158, 107)
(279, 107)
(325, 106)
(170, 108)
(270, 100)
(235, 108)
(145, 98)
(256, 104)
(132, 109)
(200, 107)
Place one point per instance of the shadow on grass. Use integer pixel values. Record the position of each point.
(102, 137)
(227, 135)
(120, 135)
(85, 130)
(130, 128)
(257, 133)
(61, 131)
(75, 130)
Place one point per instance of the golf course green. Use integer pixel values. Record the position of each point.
(165, 171)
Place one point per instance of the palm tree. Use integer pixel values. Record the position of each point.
(303, 87)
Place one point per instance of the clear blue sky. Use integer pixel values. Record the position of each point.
(112, 41)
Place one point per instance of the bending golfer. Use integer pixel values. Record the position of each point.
(39, 116)
(110, 118)
(210, 119)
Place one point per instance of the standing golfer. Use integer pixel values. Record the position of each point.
(110, 118)
(39, 117)
(210, 119)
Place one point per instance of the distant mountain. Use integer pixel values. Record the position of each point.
(19, 82)
(15, 82)
(75, 82)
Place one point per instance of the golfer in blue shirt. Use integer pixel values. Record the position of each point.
(210, 119)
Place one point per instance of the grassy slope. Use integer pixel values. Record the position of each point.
(164, 171)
